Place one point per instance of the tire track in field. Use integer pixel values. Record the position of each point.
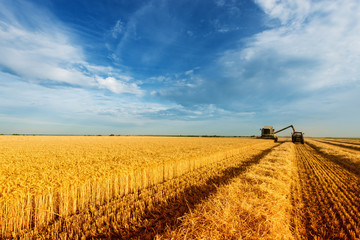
(343, 141)
(330, 198)
(342, 161)
(338, 144)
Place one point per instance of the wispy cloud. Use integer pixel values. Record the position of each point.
(286, 11)
(68, 109)
(321, 50)
(44, 52)
(46, 79)
(199, 112)
(117, 29)
(314, 46)
(302, 67)
(155, 63)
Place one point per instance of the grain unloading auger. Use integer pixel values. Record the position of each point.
(295, 136)
(268, 132)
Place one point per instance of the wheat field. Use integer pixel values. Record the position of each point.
(128, 187)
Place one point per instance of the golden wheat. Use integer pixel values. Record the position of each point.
(328, 194)
(174, 187)
(143, 213)
(44, 178)
(338, 151)
(255, 205)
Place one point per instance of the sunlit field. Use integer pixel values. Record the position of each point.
(129, 187)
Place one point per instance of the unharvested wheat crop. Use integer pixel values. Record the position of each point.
(44, 178)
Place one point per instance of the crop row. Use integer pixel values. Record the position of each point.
(329, 196)
(354, 141)
(254, 205)
(343, 144)
(346, 158)
(36, 164)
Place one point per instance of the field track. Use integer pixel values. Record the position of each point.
(348, 141)
(350, 145)
(326, 199)
(346, 157)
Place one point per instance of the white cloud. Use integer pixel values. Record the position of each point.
(117, 29)
(39, 55)
(118, 86)
(43, 51)
(195, 112)
(189, 72)
(287, 11)
(67, 110)
(321, 52)
(33, 101)
(302, 67)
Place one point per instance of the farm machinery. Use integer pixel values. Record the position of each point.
(268, 132)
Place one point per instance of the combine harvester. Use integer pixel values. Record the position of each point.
(268, 132)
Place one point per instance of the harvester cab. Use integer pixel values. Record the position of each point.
(267, 132)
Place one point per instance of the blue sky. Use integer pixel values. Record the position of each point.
(221, 67)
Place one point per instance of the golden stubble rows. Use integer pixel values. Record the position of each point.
(353, 141)
(255, 205)
(295, 192)
(327, 197)
(341, 151)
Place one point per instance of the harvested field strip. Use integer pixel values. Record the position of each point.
(355, 141)
(254, 205)
(341, 144)
(148, 211)
(330, 198)
(346, 158)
